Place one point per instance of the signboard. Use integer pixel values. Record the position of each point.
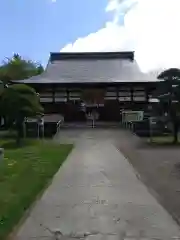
(94, 105)
(132, 116)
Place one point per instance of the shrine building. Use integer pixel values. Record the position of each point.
(107, 81)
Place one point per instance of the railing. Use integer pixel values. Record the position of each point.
(128, 124)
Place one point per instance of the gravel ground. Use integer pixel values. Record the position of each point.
(157, 168)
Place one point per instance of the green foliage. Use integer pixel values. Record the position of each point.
(1, 87)
(20, 100)
(170, 74)
(17, 68)
(17, 102)
(169, 97)
(169, 91)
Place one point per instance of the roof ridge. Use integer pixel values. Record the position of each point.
(58, 56)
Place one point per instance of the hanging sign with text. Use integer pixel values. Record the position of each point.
(132, 116)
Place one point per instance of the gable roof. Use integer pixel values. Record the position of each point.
(104, 67)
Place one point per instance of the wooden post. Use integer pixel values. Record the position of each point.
(53, 94)
(67, 91)
(24, 128)
(132, 95)
(150, 129)
(42, 130)
(1, 154)
(117, 93)
(147, 95)
(38, 129)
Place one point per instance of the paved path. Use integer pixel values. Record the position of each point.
(96, 195)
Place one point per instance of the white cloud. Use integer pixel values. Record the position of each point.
(110, 38)
(149, 29)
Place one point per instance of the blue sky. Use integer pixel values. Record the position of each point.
(33, 28)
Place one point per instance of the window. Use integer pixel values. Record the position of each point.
(110, 98)
(111, 89)
(125, 95)
(139, 96)
(45, 99)
(125, 89)
(46, 94)
(111, 94)
(60, 99)
(74, 94)
(60, 94)
(125, 99)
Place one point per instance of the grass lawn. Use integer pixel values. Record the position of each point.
(163, 140)
(24, 173)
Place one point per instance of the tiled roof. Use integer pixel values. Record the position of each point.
(54, 56)
(91, 67)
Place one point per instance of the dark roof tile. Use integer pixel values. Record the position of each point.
(91, 67)
(54, 56)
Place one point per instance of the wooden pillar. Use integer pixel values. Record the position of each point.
(132, 94)
(117, 93)
(53, 94)
(67, 92)
(147, 94)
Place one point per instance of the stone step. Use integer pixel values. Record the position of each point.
(89, 125)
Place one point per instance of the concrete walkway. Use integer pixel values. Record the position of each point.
(96, 195)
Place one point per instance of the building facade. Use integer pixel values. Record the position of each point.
(75, 83)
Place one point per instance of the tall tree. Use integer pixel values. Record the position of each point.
(169, 97)
(17, 68)
(17, 102)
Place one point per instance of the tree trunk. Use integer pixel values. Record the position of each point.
(19, 128)
(175, 132)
